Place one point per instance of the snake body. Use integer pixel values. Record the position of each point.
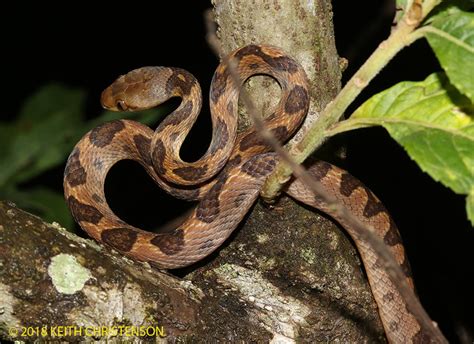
(226, 180)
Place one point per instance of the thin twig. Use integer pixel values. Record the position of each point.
(364, 232)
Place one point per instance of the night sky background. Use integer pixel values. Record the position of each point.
(86, 46)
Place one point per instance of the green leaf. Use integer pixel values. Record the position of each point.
(7, 133)
(50, 99)
(43, 133)
(451, 35)
(446, 8)
(431, 120)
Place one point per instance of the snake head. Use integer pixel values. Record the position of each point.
(111, 102)
(140, 89)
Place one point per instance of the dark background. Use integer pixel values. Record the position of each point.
(88, 47)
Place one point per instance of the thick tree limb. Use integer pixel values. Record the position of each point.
(50, 277)
(253, 290)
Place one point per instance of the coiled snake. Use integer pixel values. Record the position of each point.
(239, 164)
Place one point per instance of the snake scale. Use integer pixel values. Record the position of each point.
(226, 180)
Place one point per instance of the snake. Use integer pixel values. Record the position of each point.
(227, 179)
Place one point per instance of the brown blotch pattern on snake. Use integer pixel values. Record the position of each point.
(122, 239)
(186, 194)
(190, 173)
(84, 212)
(182, 80)
(249, 141)
(179, 114)
(319, 172)
(176, 117)
(279, 63)
(251, 49)
(222, 136)
(158, 154)
(143, 147)
(169, 243)
(258, 169)
(392, 237)
(297, 100)
(209, 207)
(75, 173)
(321, 169)
(104, 134)
(280, 133)
(234, 162)
(283, 63)
(348, 184)
(373, 206)
(218, 84)
(97, 198)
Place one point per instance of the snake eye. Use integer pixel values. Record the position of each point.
(121, 105)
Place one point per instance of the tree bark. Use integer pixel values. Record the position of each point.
(286, 275)
(282, 277)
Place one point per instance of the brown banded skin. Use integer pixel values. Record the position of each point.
(226, 180)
